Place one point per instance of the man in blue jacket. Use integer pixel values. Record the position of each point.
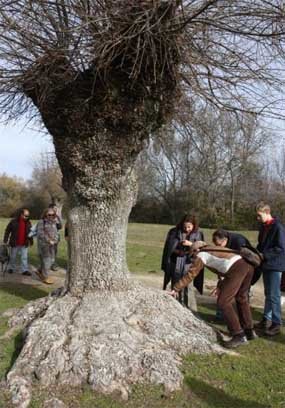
(271, 243)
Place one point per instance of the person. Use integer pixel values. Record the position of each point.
(227, 239)
(58, 221)
(271, 243)
(176, 259)
(16, 235)
(47, 236)
(237, 274)
(232, 240)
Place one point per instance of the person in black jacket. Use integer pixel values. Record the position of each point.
(17, 236)
(271, 243)
(176, 259)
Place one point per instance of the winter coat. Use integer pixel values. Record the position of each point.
(46, 232)
(237, 241)
(272, 246)
(11, 233)
(175, 266)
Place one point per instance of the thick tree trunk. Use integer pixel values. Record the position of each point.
(97, 242)
(99, 179)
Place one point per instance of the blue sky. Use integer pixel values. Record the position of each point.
(20, 144)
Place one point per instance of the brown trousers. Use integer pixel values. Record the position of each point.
(235, 287)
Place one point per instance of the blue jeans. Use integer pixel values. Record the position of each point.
(24, 258)
(272, 307)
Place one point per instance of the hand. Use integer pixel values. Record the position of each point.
(173, 293)
(179, 252)
(51, 242)
(187, 243)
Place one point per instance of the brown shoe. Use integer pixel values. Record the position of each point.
(264, 324)
(48, 281)
(39, 275)
(273, 330)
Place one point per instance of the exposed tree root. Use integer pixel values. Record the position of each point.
(108, 340)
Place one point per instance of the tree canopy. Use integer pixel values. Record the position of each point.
(227, 51)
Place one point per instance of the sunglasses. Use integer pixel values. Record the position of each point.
(51, 215)
(26, 216)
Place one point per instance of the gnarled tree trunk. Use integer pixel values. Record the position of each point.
(103, 330)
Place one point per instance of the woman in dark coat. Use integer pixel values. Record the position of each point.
(176, 259)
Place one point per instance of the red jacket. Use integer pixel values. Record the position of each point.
(11, 233)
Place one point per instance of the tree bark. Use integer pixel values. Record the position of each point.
(97, 241)
(99, 179)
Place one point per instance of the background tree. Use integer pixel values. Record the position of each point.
(103, 76)
(13, 195)
(45, 184)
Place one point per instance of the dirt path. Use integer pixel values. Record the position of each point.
(148, 280)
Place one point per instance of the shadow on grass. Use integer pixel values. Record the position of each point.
(218, 398)
(279, 338)
(18, 344)
(60, 261)
(209, 318)
(205, 314)
(23, 291)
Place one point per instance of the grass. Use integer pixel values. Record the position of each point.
(254, 379)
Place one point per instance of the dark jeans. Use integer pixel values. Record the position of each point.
(235, 287)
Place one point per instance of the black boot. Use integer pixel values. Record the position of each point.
(250, 334)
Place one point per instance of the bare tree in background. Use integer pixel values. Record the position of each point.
(104, 75)
(46, 180)
(201, 161)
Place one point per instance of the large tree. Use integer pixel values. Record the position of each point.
(103, 75)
